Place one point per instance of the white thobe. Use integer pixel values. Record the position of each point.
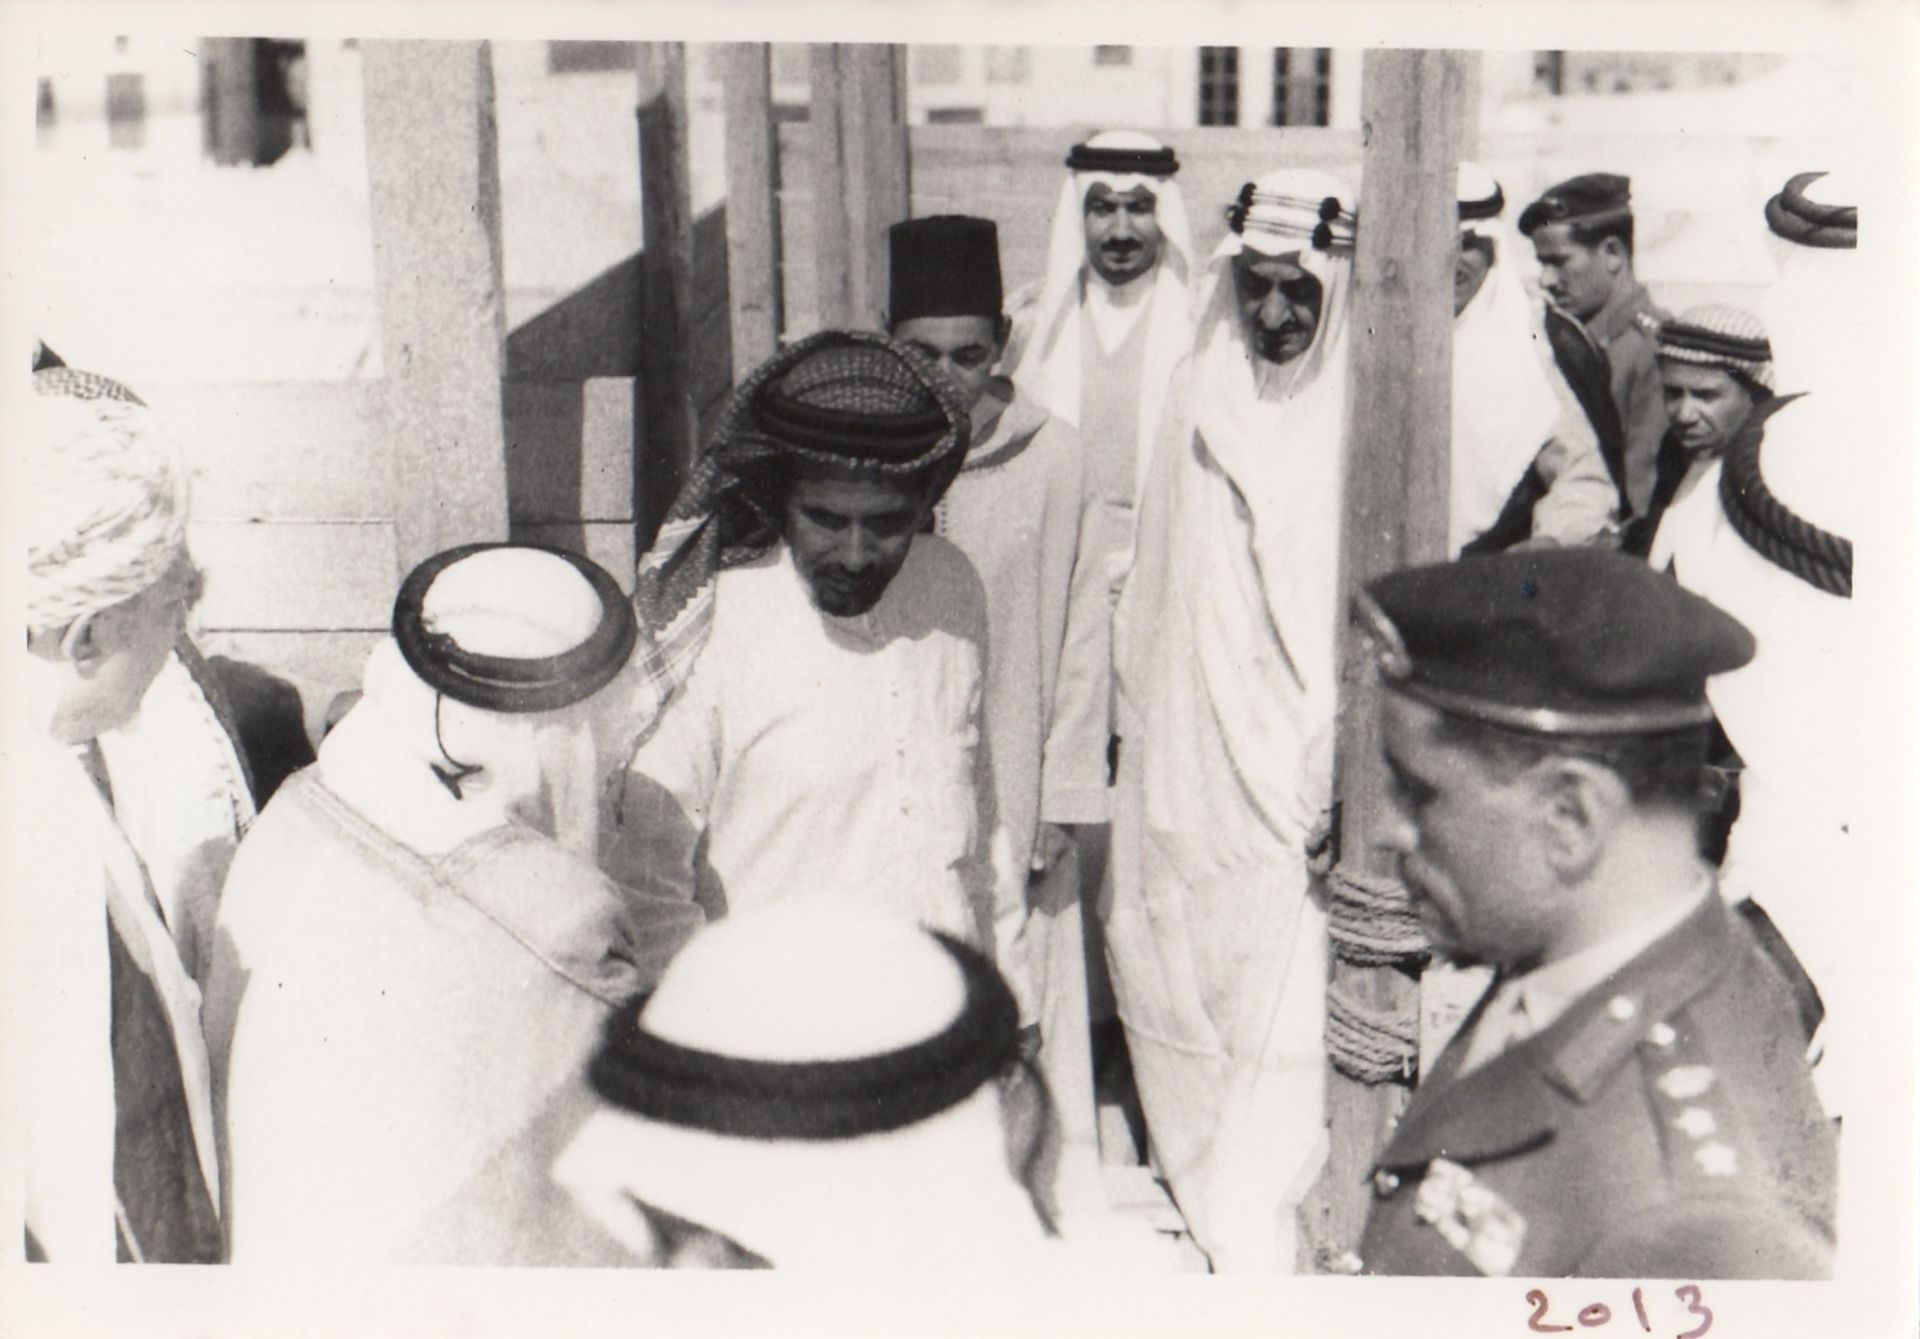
(1020, 513)
(810, 756)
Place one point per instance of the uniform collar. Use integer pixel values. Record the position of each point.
(1623, 306)
(1548, 992)
(1511, 1103)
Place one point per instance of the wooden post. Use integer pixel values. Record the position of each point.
(860, 178)
(433, 167)
(670, 423)
(1395, 514)
(753, 204)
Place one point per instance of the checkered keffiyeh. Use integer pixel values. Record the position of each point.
(74, 384)
(1723, 337)
(840, 397)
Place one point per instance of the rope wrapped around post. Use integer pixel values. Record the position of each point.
(1371, 923)
(1371, 1045)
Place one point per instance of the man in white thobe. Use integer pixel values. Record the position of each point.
(824, 660)
(1226, 667)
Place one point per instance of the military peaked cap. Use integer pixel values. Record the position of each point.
(1553, 642)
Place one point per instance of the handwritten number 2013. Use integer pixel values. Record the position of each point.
(1597, 1314)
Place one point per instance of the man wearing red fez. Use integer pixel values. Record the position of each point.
(1601, 322)
(1630, 1097)
(1017, 509)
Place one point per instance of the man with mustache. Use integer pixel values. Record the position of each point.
(1601, 322)
(1097, 341)
(822, 660)
(1716, 369)
(1630, 1098)
(1225, 667)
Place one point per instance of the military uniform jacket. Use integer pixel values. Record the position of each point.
(1664, 1126)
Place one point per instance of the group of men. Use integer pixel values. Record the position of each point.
(724, 922)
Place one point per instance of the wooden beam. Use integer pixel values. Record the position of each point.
(753, 204)
(860, 177)
(1395, 514)
(433, 167)
(669, 418)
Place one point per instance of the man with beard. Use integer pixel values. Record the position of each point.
(1225, 671)
(1629, 1098)
(1017, 511)
(1601, 322)
(824, 660)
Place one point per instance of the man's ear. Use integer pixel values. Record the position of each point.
(83, 644)
(1581, 803)
(1614, 252)
(1002, 332)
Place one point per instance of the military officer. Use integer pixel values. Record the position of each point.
(1630, 1097)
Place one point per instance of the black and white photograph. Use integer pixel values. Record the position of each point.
(996, 677)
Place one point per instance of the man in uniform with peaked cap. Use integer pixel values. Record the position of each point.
(822, 660)
(1630, 1098)
(1525, 462)
(1017, 510)
(1601, 322)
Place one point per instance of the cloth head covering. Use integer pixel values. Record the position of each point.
(1049, 363)
(818, 1085)
(1509, 398)
(839, 398)
(1553, 641)
(1718, 336)
(475, 710)
(105, 511)
(1589, 201)
(1799, 503)
(946, 265)
(1278, 432)
(1298, 212)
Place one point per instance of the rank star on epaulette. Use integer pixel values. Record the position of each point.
(1683, 1082)
(1470, 1217)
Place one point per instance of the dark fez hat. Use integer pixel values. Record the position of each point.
(1553, 642)
(1596, 198)
(946, 265)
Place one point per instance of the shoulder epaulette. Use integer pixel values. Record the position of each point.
(1699, 1131)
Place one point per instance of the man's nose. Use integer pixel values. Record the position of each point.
(857, 551)
(1275, 312)
(1123, 226)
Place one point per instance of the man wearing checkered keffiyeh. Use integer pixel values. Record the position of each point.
(820, 660)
